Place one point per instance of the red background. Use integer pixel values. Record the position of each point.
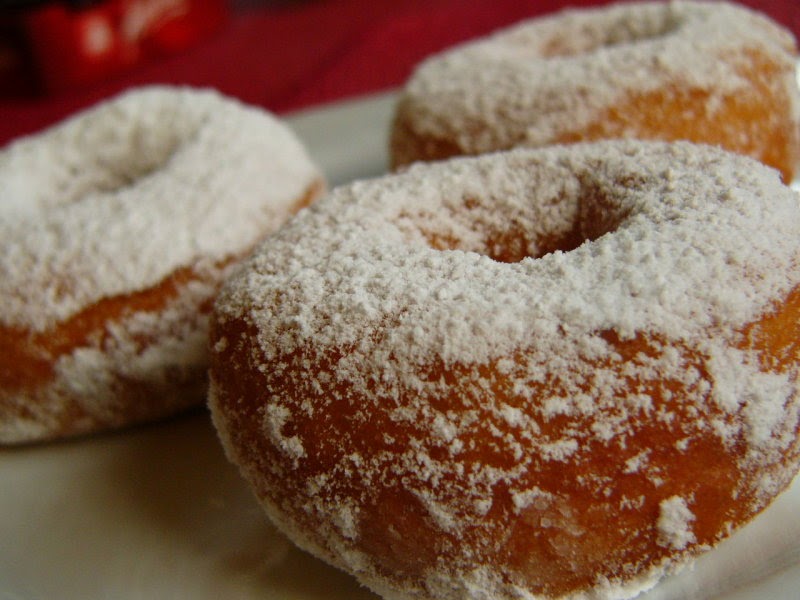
(290, 55)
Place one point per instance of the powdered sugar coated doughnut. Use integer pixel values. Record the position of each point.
(117, 228)
(707, 72)
(538, 374)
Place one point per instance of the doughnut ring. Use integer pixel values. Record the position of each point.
(706, 72)
(118, 226)
(534, 374)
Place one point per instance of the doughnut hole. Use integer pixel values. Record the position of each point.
(102, 161)
(506, 233)
(590, 38)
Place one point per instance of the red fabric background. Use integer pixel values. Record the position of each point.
(314, 52)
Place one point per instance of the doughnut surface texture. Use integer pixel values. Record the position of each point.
(535, 374)
(117, 228)
(705, 72)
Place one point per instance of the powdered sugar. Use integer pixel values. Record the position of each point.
(469, 307)
(437, 303)
(675, 523)
(189, 172)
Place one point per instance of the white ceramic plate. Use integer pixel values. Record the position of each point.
(158, 513)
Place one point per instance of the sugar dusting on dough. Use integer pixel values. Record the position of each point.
(115, 201)
(116, 198)
(533, 82)
(395, 276)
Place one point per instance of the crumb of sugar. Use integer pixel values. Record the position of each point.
(675, 523)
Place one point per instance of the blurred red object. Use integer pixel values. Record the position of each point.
(71, 44)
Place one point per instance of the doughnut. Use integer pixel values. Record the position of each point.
(706, 72)
(118, 226)
(544, 373)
